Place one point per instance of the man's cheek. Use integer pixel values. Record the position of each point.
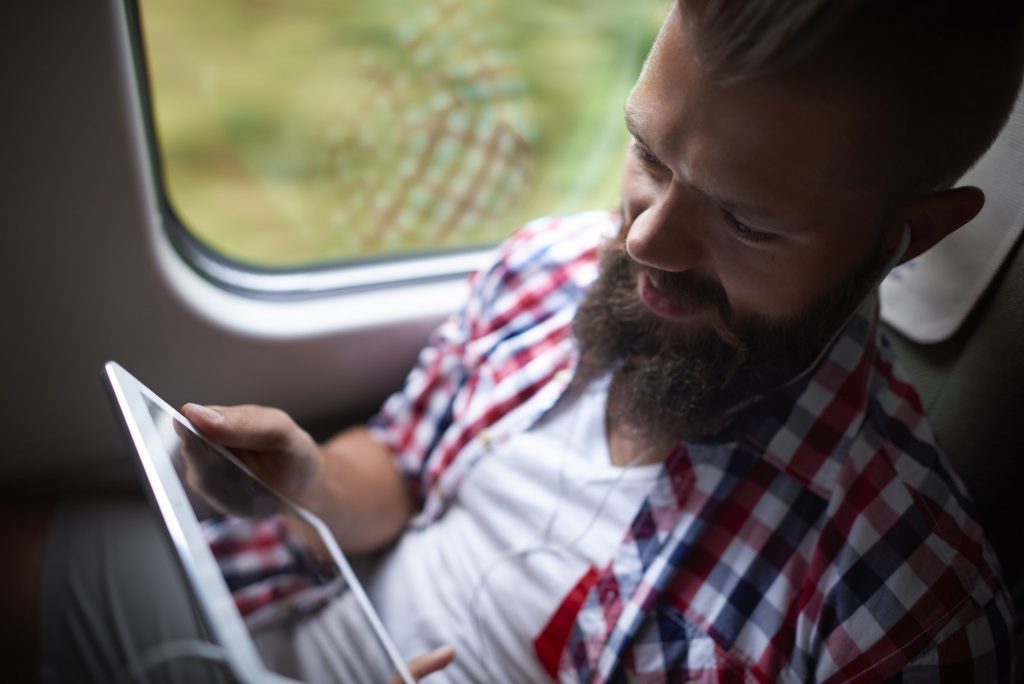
(755, 300)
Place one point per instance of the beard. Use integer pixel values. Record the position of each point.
(671, 382)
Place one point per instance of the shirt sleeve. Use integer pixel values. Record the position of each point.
(539, 271)
(979, 650)
(413, 420)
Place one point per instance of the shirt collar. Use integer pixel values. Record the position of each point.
(806, 426)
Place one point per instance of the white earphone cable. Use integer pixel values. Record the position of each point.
(542, 543)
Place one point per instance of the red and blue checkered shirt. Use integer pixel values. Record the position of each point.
(821, 536)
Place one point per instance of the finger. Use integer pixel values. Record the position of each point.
(180, 429)
(202, 416)
(428, 663)
(244, 427)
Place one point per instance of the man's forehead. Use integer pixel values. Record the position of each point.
(776, 138)
(703, 182)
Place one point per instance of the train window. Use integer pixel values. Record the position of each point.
(299, 135)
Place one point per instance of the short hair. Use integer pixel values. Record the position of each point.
(951, 68)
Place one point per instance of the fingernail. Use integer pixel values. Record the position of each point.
(207, 413)
(443, 652)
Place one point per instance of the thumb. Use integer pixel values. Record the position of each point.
(427, 663)
(202, 416)
(244, 427)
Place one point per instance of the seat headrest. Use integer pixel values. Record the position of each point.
(929, 297)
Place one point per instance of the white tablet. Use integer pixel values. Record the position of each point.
(204, 487)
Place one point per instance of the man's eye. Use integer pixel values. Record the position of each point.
(745, 232)
(645, 156)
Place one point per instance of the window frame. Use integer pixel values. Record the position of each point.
(287, 283)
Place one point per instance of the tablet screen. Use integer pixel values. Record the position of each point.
(274, 558)
(273, 561)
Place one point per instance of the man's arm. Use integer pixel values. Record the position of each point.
(976, 644)
(978, 650)
(363, 497)
(350, 482)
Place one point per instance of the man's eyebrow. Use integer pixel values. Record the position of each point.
(733, 207)
(632, 126)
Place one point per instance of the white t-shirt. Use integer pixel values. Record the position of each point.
(527, 522)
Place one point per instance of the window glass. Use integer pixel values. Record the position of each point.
(299, 132)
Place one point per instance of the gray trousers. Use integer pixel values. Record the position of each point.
(113, 598)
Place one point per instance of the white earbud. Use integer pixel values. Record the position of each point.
(897, 253)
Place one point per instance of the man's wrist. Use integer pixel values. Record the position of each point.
(316, 496)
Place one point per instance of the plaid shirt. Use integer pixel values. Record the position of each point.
(821, 536)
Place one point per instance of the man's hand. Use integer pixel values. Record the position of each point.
(280, 452)
(351, 482)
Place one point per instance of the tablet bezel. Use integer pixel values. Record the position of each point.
(165, 490)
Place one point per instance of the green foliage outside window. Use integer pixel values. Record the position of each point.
(297, 132)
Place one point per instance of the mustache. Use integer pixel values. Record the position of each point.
(688, 290)
(683, 288)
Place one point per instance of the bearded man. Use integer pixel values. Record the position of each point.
(670, 444)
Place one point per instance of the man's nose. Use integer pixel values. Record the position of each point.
(665, 233)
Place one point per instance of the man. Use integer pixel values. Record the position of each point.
(670, 445)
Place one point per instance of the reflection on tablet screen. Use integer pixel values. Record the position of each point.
(274, 562)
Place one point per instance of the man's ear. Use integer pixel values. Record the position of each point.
(935, 215)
